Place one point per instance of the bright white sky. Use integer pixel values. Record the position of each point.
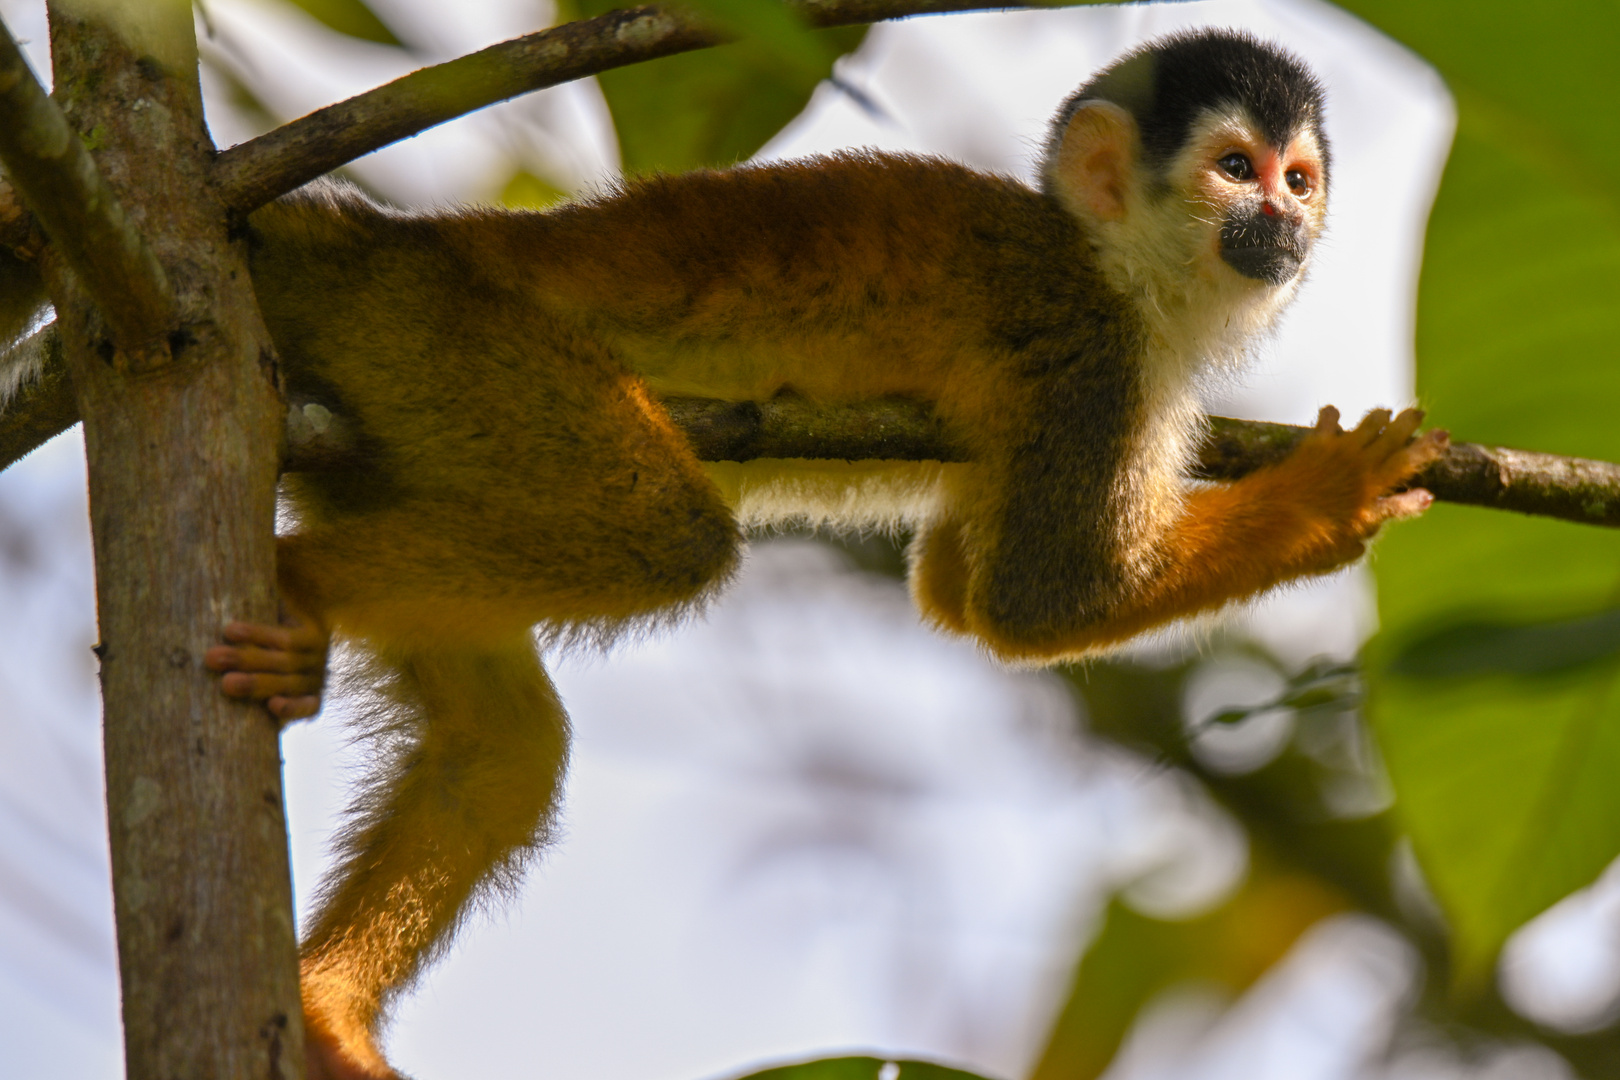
(804, 824)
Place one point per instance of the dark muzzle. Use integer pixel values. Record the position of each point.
(1265, 247)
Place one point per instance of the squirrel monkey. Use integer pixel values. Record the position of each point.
(502, 367)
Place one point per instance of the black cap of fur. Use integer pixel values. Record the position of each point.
(1168, 83)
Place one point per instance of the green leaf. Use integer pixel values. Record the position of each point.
(709, 108)
(776, 27)
(350, 17)
(1507, 783)
(1501, 733)
(861, 1068)
(715, 107)
(1471, 647)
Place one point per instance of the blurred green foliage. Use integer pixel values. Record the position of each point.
(527, 191)
(351, 17)
(862, 1068)
(1487, 646)
(718, 106)
(775, 28)
(1136, 957)
(1504, 756)
(1321, 842)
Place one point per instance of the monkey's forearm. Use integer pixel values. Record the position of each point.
(1310, 513)
(1524, 481)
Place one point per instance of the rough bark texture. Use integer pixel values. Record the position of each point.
(182, 443)
(1530, 482)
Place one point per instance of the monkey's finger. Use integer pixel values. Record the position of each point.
(1327, 420)
(1408, 504)
(1397, 433)
(1407, 461)
(1372, 425)
(294, 708)
(252, 658)
(1428, 448)
(258, 686)
(305, 632)
(301, 638)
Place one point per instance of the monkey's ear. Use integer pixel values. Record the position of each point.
(1095, 157)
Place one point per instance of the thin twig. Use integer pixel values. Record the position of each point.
(320, 438)
(51, 169)
(253, 173)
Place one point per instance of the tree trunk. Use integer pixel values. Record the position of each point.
(181, 435)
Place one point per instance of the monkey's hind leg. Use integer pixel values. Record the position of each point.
(475, 742)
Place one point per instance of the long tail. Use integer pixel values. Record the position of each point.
(474, 745)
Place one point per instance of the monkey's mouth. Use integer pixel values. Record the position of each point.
(1268, 248)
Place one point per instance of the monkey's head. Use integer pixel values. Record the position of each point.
(1201, 153)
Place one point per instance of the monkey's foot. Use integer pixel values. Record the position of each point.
(282, 666)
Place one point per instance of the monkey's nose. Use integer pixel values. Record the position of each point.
(1268, 208)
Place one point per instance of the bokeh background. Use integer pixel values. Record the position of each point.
(806, 825)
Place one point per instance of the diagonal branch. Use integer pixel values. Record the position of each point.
(253, 173)
(319, 438)
(51, 169)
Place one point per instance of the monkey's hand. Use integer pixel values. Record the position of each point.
(1346, 483)
(282, 666)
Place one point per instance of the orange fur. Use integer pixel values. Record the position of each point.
(475, 740)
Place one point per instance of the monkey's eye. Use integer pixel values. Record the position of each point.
(1237, 166)
(1298, 182)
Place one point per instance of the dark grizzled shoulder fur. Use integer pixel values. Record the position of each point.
(1168, 83)
(320, 210)
(330, 214)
